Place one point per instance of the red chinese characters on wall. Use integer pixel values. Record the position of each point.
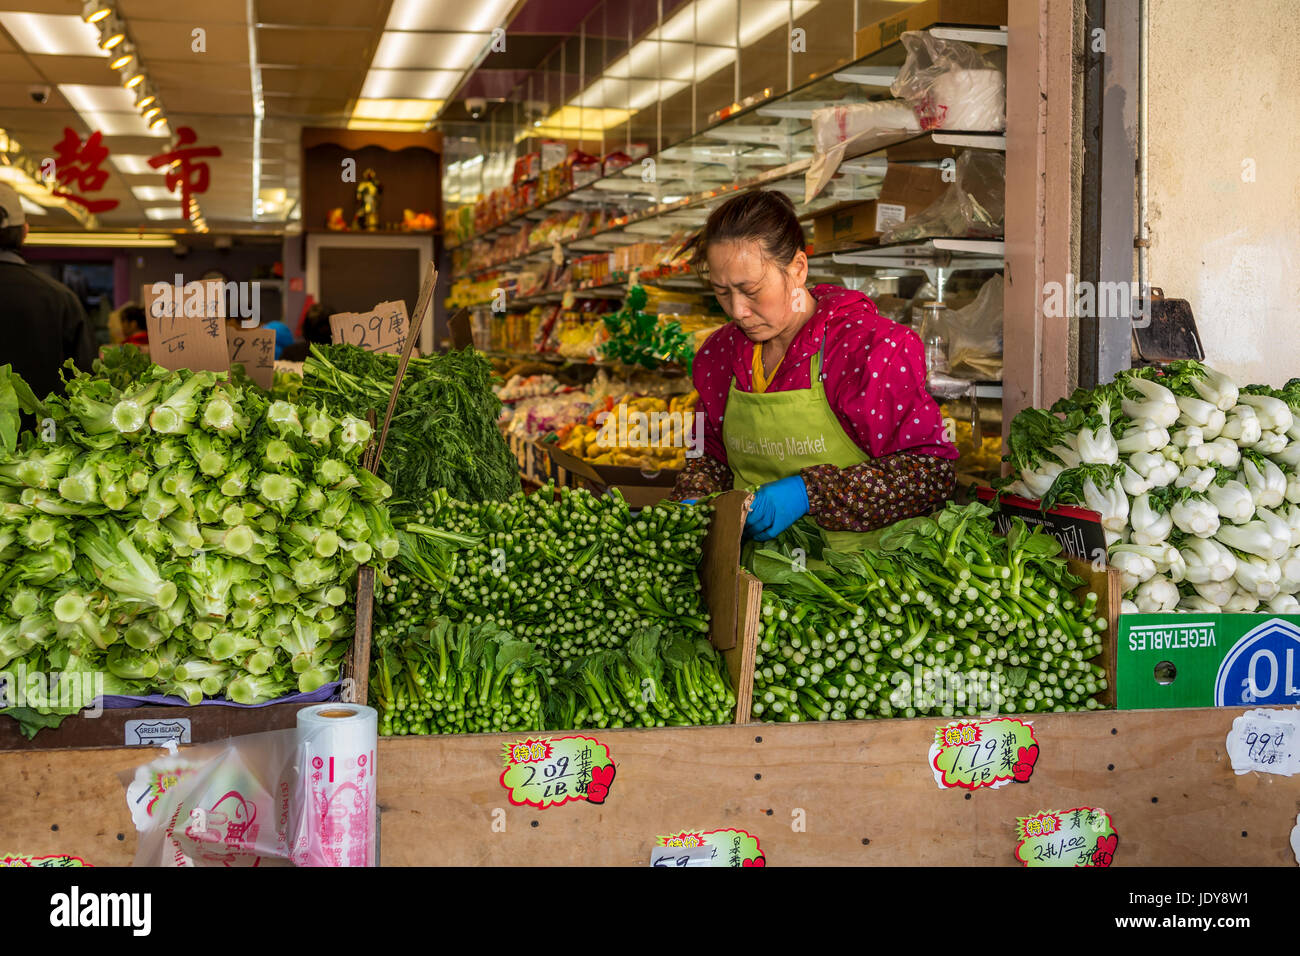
(77, 166)
(183, 170)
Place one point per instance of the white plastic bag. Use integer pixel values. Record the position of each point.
(304, 796)
(973, 206)
(975, 335)
(951, 86)
(861, 127)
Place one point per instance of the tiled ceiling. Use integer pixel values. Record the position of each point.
(315, 61)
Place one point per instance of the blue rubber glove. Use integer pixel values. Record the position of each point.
(776, 506)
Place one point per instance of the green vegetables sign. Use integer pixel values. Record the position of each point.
(1080, 836)
(1207, 660)
(546, 772)
(983, 753)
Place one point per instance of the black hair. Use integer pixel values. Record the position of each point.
(316, 325)
(759, 215)
(133, 313)
(11, 238)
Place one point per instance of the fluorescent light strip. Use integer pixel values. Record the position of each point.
(52, 34)
(259, 106)
(100, 239)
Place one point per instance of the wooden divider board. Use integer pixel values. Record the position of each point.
(866, 791)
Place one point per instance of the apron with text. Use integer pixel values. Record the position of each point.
(773, 435)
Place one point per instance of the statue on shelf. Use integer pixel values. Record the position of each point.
(366, 215)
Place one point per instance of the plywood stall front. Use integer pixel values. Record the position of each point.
(864, 792)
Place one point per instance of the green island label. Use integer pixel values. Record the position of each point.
(546, 772)
(1080, 836)
(727, 847)
(970, 754)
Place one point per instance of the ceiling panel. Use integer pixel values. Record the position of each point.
(223, 43)
(73, 69)
(340, 84)
(331, 13)
(171, 74)
(15, 68)
(307, 47)
(192, 12)
(208, 102)
(17, 96)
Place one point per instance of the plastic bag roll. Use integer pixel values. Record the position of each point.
(335, 815)
(973, 100)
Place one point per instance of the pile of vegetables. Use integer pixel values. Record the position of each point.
(443, 434)
(565, 596)
(638, 337)
(986, 623)
(181, 533)
(1196, 479)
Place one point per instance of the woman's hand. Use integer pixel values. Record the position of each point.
(776, 506)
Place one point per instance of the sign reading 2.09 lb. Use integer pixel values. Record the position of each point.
(1207, 660)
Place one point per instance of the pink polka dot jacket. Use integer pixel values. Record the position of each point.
(874, 373)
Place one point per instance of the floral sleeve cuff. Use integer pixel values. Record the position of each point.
(701, 476)
(877, 492)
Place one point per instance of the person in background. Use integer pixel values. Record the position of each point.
(42, 324)
(283, 336)
(811, 398)
(315, 331)
(128, 326)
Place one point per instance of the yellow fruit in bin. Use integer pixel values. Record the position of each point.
(605, 459)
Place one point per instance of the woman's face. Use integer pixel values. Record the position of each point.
(756, 292)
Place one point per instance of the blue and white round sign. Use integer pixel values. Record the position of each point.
(1261, 667)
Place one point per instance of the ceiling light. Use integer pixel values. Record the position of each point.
(133, 165)
(130, 239)
(135, 81)
(122, 60)
(397, 109)
(410, 84)
(159, 121)
(50, 34)
(471, 17)
(147, 99)
(92, 11)
(151, 112)
(152, 193)
(164, 212)
(111, 34)
(417, 51)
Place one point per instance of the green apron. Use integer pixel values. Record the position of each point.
(772, 435)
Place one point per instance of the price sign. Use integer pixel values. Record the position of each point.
(255, 350)
(546, 772)
(707, 848)
(1081, 836)
(56, 859)
(1264, 741)
(983, 753)
(383, 329)
(186, 325)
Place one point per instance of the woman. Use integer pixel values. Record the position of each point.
(813, 397)
(128, 326)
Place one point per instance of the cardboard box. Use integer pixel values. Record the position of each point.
(882, 33)
(905, 191)
(1208, 660)
(1078, 529)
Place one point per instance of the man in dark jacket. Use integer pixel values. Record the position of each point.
(41, 321)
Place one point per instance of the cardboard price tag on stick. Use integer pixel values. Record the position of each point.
(186, 326)
(255, 350)
(383, 329)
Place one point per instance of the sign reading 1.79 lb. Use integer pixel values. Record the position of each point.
(1205, 660)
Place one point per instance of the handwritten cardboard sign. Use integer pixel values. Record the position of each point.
(729, 847)
(546, 772)
(1080, 836)
(983, 753)
(186, 326)
(383, 329)
(1264, 741)
(255, 350)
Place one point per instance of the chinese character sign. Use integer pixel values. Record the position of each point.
(551, 771)
(77, 170)
(183, 169)
(708, 848)
(1080, 836)
(983, 753)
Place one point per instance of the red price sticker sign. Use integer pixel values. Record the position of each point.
(55, 859)
(383, 329)
(1080, 836)
(970, 754)
(546, 772)
(728, 847)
